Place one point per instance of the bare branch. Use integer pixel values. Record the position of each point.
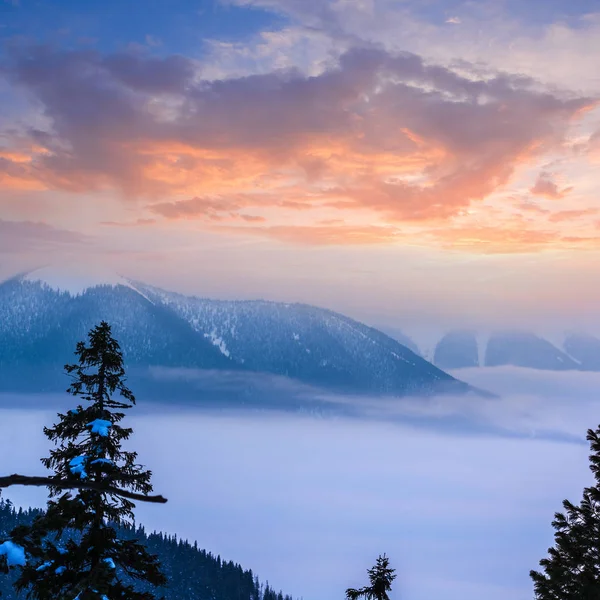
(15, 479)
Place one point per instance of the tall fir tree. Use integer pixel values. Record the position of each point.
(380, 577)
(72, 550)
(572, 569)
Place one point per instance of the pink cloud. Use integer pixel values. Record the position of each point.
(545, 186)
(19, 236)
(325, 235)
(570, 215)
(347, 138)
(136, 223)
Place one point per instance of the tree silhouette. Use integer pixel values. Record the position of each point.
(72, 550)
(572, 568)
(381, 577)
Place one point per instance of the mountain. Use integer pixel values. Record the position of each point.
(585, 349)
(462, 349)
(42, 316)
(401, 337)
(40, 326)
(525, 349)
(457, 350)
(192, 573)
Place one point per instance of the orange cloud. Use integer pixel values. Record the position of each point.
(532, 207)
(378, 132)
(399, 136)
(489, 239)
(512, 237)
(253, 218)
(571, 215)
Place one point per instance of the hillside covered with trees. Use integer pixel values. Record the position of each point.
(192, 573)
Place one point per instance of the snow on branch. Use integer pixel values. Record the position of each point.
(15, 479)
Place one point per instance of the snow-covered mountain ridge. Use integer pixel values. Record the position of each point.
(42, 318)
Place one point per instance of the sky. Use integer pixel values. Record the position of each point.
(400, 161)
(461, 515)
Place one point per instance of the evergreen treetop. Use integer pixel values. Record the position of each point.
(380, 577)
(572, 569)
(72, 549)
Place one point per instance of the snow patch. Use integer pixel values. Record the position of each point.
(100, 426)
(15, 554)
(77, 466)
(398, 357)
(218, 342)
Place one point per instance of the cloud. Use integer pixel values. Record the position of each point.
(505, 238)
(326, 234)
(437, 498)
(381, 131)
(153, 41)
(20, 236)
(550, 48)
(253, 218)
(168, 75)
(570, 215)
(529, 206)
(195, 207)
(136, 223)
(545, 186)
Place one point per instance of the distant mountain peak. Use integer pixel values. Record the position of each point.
(76, 279)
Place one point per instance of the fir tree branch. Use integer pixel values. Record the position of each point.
(15, 479)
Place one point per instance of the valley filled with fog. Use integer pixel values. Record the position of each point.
(458, 491)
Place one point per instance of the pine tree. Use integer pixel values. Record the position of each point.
(72, 550)
(572, 568)
(381, 577)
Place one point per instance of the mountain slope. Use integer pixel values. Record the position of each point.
(314, 345)
(40, 323)
(192, 573)
(457, 350)
(524, 349)
(585, 349)
(402, 338)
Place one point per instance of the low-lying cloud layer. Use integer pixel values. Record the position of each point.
(310, 502)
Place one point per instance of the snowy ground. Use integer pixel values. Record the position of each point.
(308, 503)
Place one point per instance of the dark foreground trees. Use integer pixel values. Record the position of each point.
(380, 577)
(72, 552)
(572, 569)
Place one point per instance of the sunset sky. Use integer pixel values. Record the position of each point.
(403, 161)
